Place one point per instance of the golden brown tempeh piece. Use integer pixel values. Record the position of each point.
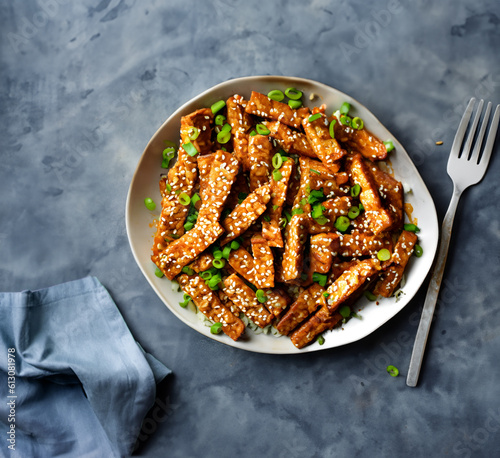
(271, 229)
(240, 219)
(307, 302)
(277, 300)
(350, 281)
(292, 141)
(326, 148)
(259, 159)
(296, 237)
(241, 122)
(358, 244)
(245, 299)
(185, 250)
(323, 249)
(202, 120)
(218, 185)
(259, 269)
(204, 165)
(202, 262)
(261, 105)
(379, 218)
(390, 279)
(321, 321)
(209, 304)
(361, 141)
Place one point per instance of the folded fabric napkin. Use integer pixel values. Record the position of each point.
(73, 381)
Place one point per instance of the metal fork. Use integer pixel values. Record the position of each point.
(465, 169)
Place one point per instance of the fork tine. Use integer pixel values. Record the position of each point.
(479, 141)
(491, 138)
(459, 136)
(472, 131)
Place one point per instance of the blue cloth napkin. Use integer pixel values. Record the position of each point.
(81, 384)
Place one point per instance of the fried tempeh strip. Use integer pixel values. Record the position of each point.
(259, 159)
(392, 193)
(271, 229)
(240, 219)
(245, 299)
(185, 250)
(323, 249)
(201, 120)
(241, 123)
(210, 305)
(321, 321)
(261, 105)
(259, 269)
(277, 300)
(390, 279)
(218, 185)
(380, 219)
(292, 141)
(202, 262)
(296, 237)
(359, 244)
(362, 141)
(339, 206)
(204, 165)
(326, 148)
(306, 304)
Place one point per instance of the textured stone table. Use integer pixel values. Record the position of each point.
(84, 85)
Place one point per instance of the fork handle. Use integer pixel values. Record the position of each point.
(432, 291)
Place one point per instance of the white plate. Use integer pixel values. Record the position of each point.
(145, 184)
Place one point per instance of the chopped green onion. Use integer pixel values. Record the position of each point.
(168, 154)
(370, 296)
(187, 270)
(288, 216)
(261, 297)
(282, 222)
(193, 133)
(275, 207)
(234, 245)
(226, 127)
(355, 190)
(317, 211)
(418, 251)
(315, 171)
(186, 300)
(297, 211)
(150, 205)
(168, 187)
(357, 123)
(177, 191)
(217, 106)
(345, 120)
(219, 263)
(342, 223)
(353, 212)
(393, 371)
(315, 195)
(214, 282)
(216, 328)
(321, 340)
(158, 272)
(206, 275)
(190, 149)
(294, 104)
(331, 129)
(184, 199)
(223, 136)
(277, 161)
(325, 294)
(314, 117)
(277, 175)
(293, 93)
(303, 202)
(411, 228)
(384, 254)
(188, 226)
(196, 197)
(344, 109)
(345, 311)
(267, 218)
(276, 95)
(319, 278)
(361, 207)
(217, 254)
(322, 220)
(219, 120)
(226, 251)
(262, 129)
(389, 146)
(253, 133)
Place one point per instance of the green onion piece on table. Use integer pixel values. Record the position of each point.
(393, 371)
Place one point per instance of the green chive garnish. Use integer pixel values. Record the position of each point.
(355, 190)
(184, 199)
(262, 129)
(393, 371)
(150, 205)
(190, 149)
(276, 95)
(319, 278)
(158, 272)
(314, 117)
(344, 109)
(384, 254)
(293, 94)
(357, 123)
(217, 106)
(216, 328)
(411, 228)
(342, 223)
(418, 251)
(389, 146)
